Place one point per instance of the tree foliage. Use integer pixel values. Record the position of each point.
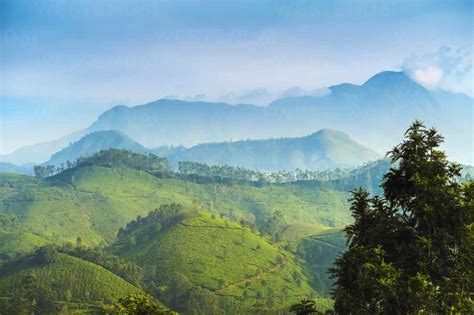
(137, 304)
(410, 251)
(305, 307)
(32, 297)
(110, 158)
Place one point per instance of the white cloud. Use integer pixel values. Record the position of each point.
(428, 76)
(445, 69)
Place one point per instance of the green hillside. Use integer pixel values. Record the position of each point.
(12, 243)
(319, 251)
(235, 269)
(93, 202)
(67, 280)
(238, 246)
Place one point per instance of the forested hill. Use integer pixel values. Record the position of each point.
(59, 281)
(325, 149)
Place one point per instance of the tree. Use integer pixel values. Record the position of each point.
(410, 251)
(46, 255)
(304, 307)
(32, 298)
(137, 304)
(40, 171)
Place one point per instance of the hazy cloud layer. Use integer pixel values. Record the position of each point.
(446, 69)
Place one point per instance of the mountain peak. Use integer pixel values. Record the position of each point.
(325, 132)
(93, 143)
(118, 108)
(386, 79)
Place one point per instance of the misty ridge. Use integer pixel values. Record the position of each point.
(383, 105)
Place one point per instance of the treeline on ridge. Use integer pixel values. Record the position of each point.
(199, 172)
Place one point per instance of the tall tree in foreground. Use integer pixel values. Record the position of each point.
(412, 250)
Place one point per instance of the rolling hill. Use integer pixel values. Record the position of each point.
(93, 202)
(236, 270)
(325, 149)
(70, 281)
(13, 243)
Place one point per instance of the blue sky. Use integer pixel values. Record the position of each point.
(64, 62)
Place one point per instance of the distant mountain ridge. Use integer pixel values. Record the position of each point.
(325, 149)
(93, 143)
(38, 153)
(26, 169)
(375, 114)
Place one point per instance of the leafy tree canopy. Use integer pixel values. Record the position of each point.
(412, 249)
(137, 304)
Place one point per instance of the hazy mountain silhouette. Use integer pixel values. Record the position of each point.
(375, 114)
(325, 149)
(93, 143)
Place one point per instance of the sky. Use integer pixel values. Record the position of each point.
(64, 62)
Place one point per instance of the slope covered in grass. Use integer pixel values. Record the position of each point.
(227, 262)
(19, 242)
(93, 202)
(68, 279)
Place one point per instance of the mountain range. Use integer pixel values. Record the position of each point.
(375, 114)
(325, 149)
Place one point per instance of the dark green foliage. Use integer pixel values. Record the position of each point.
(31, 297)
(203, 173)
(369, 175)
(144, 228)
(46, 254)
(111, 158)
(123, 268)
(410, 251)
(319, 251)
(44, 171)
(137, 304)
(116, 158)
(274, 226)
(304, 307)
